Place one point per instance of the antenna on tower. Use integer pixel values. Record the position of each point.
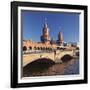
(60, 28)
(45, 22)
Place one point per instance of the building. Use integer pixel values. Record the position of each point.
(46, 43)
(72, 44)
(60, 40)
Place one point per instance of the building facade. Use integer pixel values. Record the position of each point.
(46, 43)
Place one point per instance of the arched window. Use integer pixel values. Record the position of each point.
(35, 48)
(24, 48)
(57, 48)
(77, 48)
(38, 48)
(30, 48)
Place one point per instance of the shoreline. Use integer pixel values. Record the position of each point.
(61, 61)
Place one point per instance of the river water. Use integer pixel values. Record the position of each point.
(66, 68)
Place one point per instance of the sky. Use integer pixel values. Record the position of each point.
(33, 22)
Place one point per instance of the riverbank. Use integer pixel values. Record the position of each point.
(66, 58)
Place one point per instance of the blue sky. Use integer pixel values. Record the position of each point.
(67, 23)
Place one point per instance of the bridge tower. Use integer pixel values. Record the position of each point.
(60, 39)
(45, 38)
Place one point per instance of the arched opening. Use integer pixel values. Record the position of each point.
(30, 48)
(66, 57)
(37, 67)
(58, 48)
(61, 48)
(35, 48)
(38, 48)
(77, 48)
(43, 60)
(24, 48)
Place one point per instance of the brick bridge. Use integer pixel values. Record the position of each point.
(30, 57)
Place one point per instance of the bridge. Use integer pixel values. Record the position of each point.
(31, 57)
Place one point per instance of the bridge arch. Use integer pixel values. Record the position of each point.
(43, 61)
(66, 57)
(38, 66)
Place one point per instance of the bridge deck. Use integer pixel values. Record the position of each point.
(28, 58)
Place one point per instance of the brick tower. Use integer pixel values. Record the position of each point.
(45, 38)
(60, 39)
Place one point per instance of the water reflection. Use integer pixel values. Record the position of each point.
(47, 69)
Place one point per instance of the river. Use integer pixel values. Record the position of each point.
(66, 68)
